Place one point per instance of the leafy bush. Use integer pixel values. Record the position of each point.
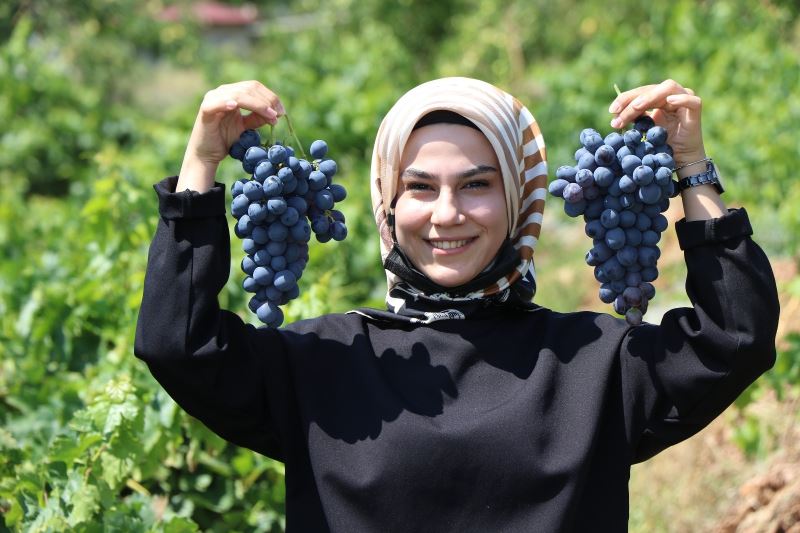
(90, 442)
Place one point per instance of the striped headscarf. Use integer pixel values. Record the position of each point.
(516, 139)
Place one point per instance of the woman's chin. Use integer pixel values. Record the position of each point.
(446, 277)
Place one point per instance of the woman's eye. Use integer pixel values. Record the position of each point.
(417, 186)
(476, 184)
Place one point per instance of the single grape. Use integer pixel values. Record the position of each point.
(566, 173)
(644, 123)
(338, 231)
(627, 219)
(650, 194)
(318, 149)
(338, 191)
(324, 199)
(264, 170)
(626, 184)
(614, 140)
(248, 265)
(263, 275)
(643, 175)
(587, 162)
(584, 178)
(573, 193)
(633, 236)
(237, 151)
(260, 235)
(249, 138)
(270, 314)
(633, 316)
(615, 238)
(252, 157)
(301, 232)
(607, 295)
(627, 255)
(278, 263)
(328, 167)
(648, 290)
(629, 164)
(659, 223)
(276, 206)
(284, 280)
(277, 154)
(249, 284)
(556, 187)
(262, 257)
(603, 176)
(605, 155)
(632, 138)
(632, 296)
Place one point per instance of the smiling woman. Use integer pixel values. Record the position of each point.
(463, 406)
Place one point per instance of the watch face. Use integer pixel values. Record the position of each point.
(713, 168)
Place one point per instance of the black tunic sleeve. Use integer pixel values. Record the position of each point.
(228, 374)
(681, 374)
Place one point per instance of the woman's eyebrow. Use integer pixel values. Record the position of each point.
(480, 169)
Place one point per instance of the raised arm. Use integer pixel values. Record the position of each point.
(230, 375)
(681, 374)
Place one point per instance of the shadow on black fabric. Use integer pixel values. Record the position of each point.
(351, 400)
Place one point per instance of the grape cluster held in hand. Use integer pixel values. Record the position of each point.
(276, 210)
(621, 184)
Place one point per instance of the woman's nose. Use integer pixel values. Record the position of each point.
(446, 210)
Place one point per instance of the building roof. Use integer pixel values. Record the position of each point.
(211, 14)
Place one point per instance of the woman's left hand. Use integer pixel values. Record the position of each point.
(674, 107)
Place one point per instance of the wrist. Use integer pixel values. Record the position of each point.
(196, 174)
(690, 164)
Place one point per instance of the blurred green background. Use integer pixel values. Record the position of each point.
(97, 99)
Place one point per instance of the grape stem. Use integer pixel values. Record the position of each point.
(616, 88)
(294, 135)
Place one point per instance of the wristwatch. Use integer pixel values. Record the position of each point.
(708, 177)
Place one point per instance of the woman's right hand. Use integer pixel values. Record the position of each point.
(218, 125)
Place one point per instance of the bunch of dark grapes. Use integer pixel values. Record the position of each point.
(621, 184)
(284, 200)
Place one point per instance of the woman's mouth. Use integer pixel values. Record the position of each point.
(449, 246)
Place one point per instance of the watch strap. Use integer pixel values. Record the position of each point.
(707, 177)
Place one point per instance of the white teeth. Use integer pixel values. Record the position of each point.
(446, 245)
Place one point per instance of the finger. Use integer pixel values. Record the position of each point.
(257, 88)
(249, 95)
(684, 100)
(257, 103)
(623, 99)
(689, 108)
(254, 121)
(653, 98)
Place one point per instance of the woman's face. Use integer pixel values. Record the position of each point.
(450, 214)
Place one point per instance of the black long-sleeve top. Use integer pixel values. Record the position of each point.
(507, 421)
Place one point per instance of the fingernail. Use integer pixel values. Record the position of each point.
(272, 113)
(231, 104)
(671, 99)
(616, 123)
(614, 107)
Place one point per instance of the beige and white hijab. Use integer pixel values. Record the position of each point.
(518, 143)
